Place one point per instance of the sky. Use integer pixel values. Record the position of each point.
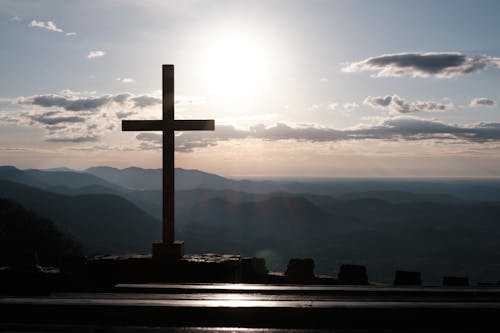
(301, 89)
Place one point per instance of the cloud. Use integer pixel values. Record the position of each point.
(189, 100)
(125, 79)
(431, 64)
(71, 101)
(96, 54)
(122, 98)
(145, 101)
(332, 105)
(49, 25)
(74, 117)
(75, 139)
(482, 102)
(396, 105)
(68, 103)
(124, 114)
(149, 141)
(392, 129)
(315, 107)
(79, 116)
(15, 18)
(43, 119)
(70, 34)
(350, 106)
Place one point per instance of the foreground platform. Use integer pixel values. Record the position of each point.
(259, 306)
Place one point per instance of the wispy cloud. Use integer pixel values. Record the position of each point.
(69, 103)
(396, 128)
(15, 18)
(350, 106)
(145, 101)
(74, 101)
(70, 116)
(70, 34)
(333, 106)
(431, 64)
(96, 54)
(125, 79)
(47, 119)
(482, 102)
(48, 25)
(76, 117)
(396, 104)
(75, 139)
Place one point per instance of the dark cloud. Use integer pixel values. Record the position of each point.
(397, 104)
(144, 101)
(121, 98)
(70, 102)
(483, 101)
(67, 103)
(124, 114)
(397, 128)
(438, 64)
(76, 139)
(56, 120)
(150, 137)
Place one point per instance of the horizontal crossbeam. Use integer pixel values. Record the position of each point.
(143, 125)
(194, 125)
(161, 125)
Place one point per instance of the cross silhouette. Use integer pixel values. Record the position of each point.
(168, 248)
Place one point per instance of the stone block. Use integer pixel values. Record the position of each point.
(210, 267)
(253, 269)
(353, 274)
(163, 251)
(405, 278)
(300, 270)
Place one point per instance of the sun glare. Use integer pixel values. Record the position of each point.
(235, 67)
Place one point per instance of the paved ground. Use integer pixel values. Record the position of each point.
(256, 306)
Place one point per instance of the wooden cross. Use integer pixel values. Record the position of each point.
(169, 247)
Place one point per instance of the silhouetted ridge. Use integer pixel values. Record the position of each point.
(101, 222)
(151, 179)
(47, 179)
(25, 235)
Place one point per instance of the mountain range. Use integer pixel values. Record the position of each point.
(439, 227)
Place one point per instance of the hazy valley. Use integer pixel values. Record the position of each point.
(438, 226)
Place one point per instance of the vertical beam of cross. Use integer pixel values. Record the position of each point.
(168, 211)
(168, 125)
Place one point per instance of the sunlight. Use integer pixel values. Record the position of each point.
(235, 67)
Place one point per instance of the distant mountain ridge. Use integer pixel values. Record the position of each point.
(386, 189)
(47, 179)
(138, 179)
(151, 179)
(435, 226)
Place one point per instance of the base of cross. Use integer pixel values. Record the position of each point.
(168, 251)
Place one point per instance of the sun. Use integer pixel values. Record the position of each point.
(235, 67)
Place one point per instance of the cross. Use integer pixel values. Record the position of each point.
(169, 247)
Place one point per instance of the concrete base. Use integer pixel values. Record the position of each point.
(163, 251)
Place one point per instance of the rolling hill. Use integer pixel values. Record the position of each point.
(25, 235)
(103, 223)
